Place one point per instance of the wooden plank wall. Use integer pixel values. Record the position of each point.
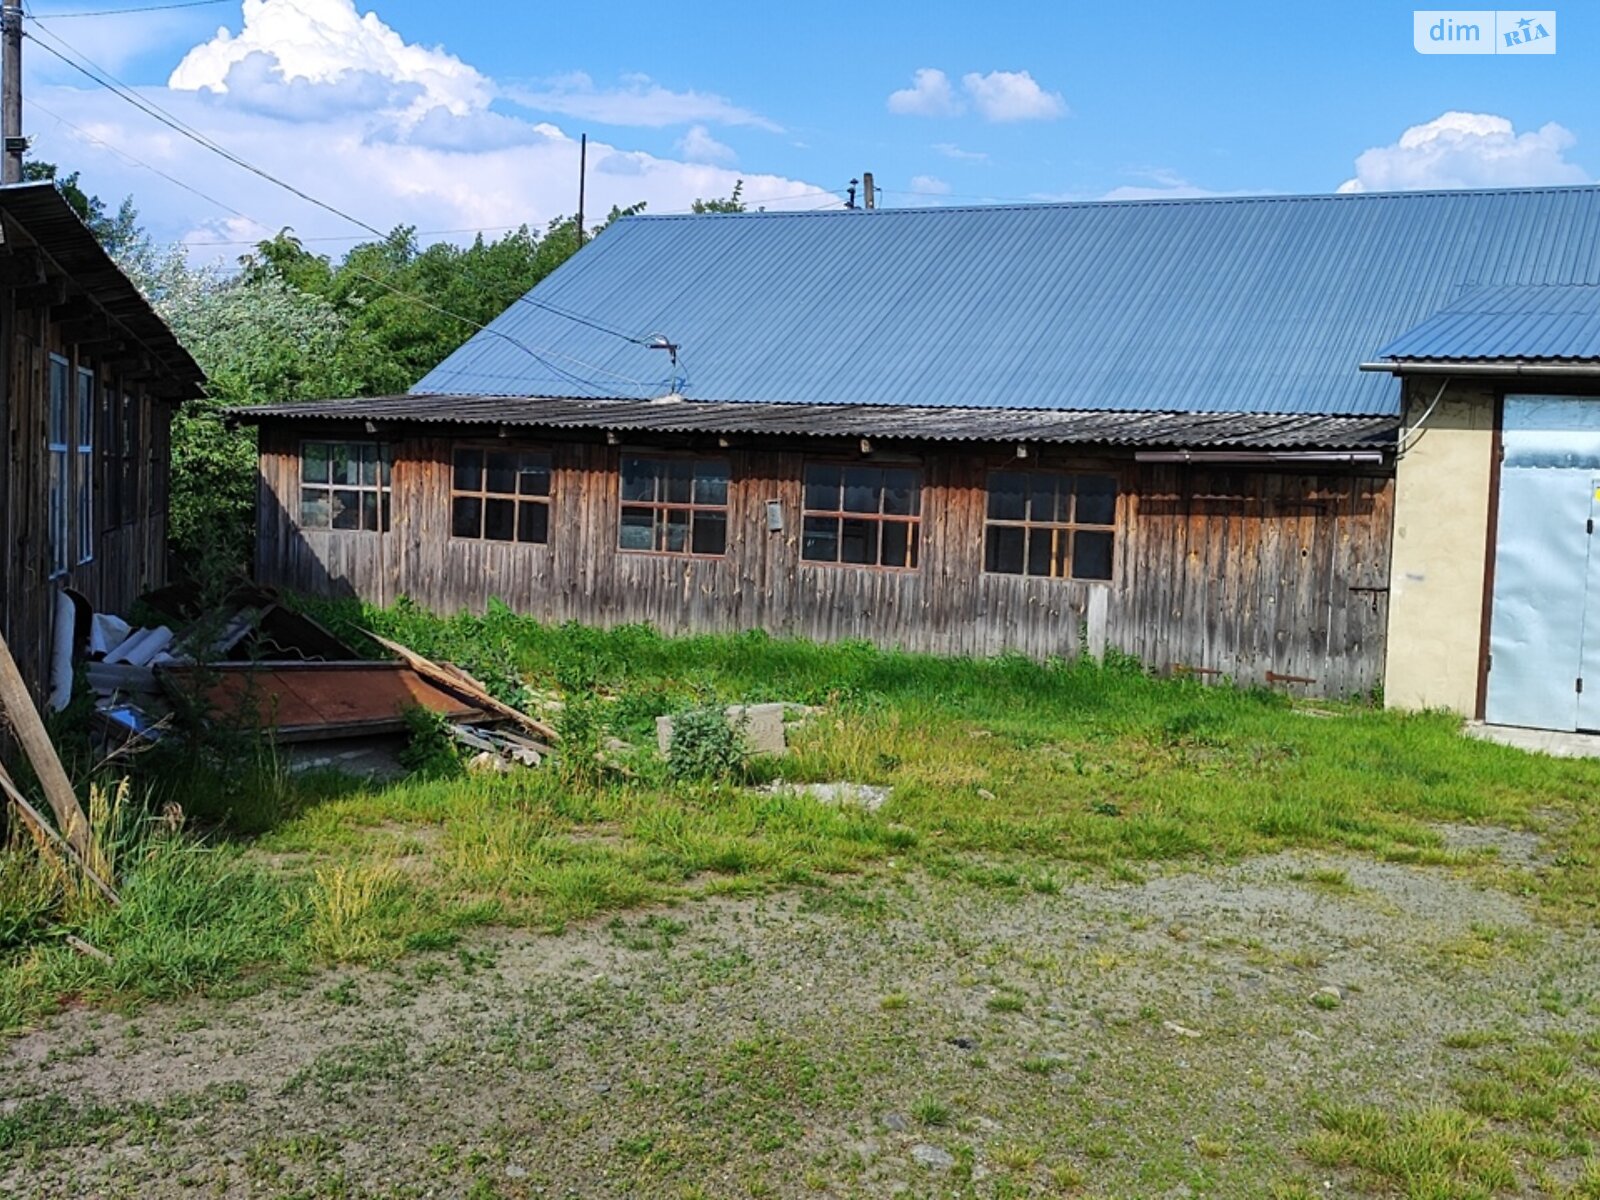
(1229, 572)
(129, 557)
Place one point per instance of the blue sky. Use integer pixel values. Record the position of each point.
(464, 115)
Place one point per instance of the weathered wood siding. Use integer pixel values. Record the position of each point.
(1235, 573)
(129, 543)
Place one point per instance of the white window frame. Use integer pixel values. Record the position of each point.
(83, 463)
(58, 434)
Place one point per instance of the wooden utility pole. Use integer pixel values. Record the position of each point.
(583, 170)
(11, 91)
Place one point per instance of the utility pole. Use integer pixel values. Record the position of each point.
(583, 172)
(11, 91)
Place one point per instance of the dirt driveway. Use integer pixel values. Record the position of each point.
(1176, 1036)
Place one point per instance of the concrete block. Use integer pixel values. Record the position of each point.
(762, 725)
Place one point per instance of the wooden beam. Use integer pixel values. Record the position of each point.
(16, 706)
(21, 268)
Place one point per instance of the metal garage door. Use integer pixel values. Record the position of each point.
(1544, 634)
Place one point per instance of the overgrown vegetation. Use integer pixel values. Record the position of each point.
(1003, 773)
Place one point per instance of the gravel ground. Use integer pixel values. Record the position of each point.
(884, 1036)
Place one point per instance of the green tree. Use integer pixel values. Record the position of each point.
(731, 203)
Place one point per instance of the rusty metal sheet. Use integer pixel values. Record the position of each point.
(309, 701)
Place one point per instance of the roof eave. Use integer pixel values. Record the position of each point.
(1511, 367)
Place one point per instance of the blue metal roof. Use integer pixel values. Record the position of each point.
(1250, 304)
(1524, 322)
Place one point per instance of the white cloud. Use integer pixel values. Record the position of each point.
(951, 150)
(1464, 150)
(343, 107)
(324, 42)
(929, 185)
(639, 101)
(1012, 96)
(697, 145)
(930, 95)
(1164, 184)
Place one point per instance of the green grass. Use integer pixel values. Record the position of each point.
(1006, 774)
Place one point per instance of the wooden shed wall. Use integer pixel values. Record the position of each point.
(1249, 574)
(129, 546)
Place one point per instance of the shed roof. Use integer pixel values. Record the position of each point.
(1176, 430)
(1238, 304)
(71, 249)
(1519, 322)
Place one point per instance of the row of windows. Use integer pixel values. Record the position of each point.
(1052, 524)
(70, 439)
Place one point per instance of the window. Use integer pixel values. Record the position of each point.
(866, 515)
(674, 505)
(1053, 525)
(500, 495)
(344, 485)
(60, 462)
(83, 464)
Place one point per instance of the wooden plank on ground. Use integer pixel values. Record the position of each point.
(16, 706)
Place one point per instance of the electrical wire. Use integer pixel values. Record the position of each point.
(122, 12)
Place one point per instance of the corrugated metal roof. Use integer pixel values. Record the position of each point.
(1176, 430)
(1528, 322)
(60, 234)
(1250, 304)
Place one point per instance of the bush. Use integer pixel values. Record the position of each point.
(706, 745)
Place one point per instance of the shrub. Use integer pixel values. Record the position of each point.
(706, 745)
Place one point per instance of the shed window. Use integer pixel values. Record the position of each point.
(500, 495)
(59, 437)
(674, 505)
(344, 485)
(1053, 525)
(83, 465)
(871, 516)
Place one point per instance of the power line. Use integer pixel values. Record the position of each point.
(139, 162)
(121, 12)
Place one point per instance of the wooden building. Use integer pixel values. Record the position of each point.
(1139, 426)
(90, 378)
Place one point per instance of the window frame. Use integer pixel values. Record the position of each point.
(383, 490)
(548, 499)
(915, 542)
(59, 451)
(83, 410)
(1030, 526)
(658, 505)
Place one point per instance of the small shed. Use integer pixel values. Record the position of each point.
(89, 377)
(1137, 426)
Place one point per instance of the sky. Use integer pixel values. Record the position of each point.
(466, 116)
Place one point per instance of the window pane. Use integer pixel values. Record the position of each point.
(1002, 552)
(384, 504)
(344, 467)
(1091, 555)
(638, 479)
(533, 522)
(710, 483)
(863, 488)
(347, 510)
(710, 533)
(680, 481)
(1097, 500)
(467, 475)
(1007, 490)
(369, 466)
(58, 401)
(638, 529)
(897, 544)
(500, 474)
(821, 540)
(85, 434)
(901, 495)
(534, 478)
(500, 520)
(466, 517)
(1041, 498)
(383, 465)
(314, 510)
(314, 462)
(822, 489)
(674, 530)
(858, 542)
(1041, 544)
(369, 510)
